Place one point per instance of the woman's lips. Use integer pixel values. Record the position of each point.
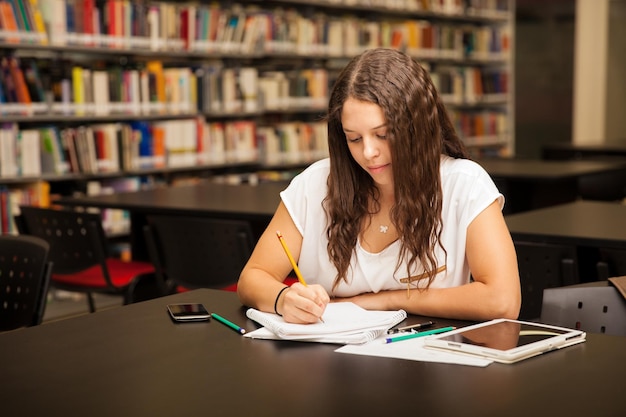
(377, 168)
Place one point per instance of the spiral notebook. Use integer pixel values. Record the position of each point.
(344, 323)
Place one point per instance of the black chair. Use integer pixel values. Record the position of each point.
(197, 252)
(543, 266)
(79, 251)
(24, 278)
(611, 263)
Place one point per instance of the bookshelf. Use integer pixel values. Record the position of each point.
(103, 90)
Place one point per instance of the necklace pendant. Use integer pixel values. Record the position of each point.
(383, 229)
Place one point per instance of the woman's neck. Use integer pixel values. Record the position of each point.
(386, 197)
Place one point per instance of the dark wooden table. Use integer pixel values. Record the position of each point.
(596, 229)
(583, 223)
(526, 184)
(254, 203)
(597, 152)
(531, 184)
(609, 186)
(205, 198)
(134, 361)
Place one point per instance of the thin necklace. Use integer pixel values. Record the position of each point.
(383, 228)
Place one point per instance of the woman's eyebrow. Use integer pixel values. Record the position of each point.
(374, 128)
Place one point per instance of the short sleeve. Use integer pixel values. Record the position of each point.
(304, 196)
(468, 190)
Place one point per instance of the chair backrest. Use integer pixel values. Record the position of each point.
(611, 263)
(197, 252)
(595, 307)
(76, 239)
(24, 279)
(543, 266)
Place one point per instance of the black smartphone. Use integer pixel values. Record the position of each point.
(188, 312)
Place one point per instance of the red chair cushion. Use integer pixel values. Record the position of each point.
(122, 273)
(290, 281)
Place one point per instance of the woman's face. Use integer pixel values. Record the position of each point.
(365, 128)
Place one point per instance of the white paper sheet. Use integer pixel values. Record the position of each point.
(411, 349)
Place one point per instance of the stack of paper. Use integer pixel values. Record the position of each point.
(344, 323)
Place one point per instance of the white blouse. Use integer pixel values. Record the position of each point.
(467, 190)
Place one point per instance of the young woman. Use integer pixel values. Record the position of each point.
(396, 218)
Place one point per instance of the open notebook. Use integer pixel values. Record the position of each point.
(344, 323)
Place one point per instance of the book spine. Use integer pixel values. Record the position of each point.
(10, 89)
(23, 96)
(55, 17)
(8, 21)
(78, 90)
(22, 15)
(38, 21)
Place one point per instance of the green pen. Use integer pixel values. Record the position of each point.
(228, 323)
(418, 334)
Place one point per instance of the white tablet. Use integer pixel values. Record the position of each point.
(506, 341)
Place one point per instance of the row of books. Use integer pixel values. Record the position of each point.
(20, 82)
(151, 88)
(481, 127)
(234, 29)
(22, 21)
(419, 38)
(245, 89)
(208, 88)
(492, 8)
(468, 85)
(292, 142)
(140, 145)
(36, 193)
(116, 221)
(486, 43)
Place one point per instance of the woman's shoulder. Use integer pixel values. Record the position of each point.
(465, 180)
(317, 170)
(314, 177)
(452, 166)
(320, 165)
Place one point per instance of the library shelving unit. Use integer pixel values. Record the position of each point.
(103, 95)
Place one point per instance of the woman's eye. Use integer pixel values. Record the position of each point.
(381, 136)
(354, 140)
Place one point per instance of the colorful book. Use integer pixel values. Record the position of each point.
(33, 80)
(8, 20)
(39, 25)
(10, 89)
(21, 89)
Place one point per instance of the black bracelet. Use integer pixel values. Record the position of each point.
(276, 301)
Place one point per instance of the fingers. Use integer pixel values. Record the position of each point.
(304, 304)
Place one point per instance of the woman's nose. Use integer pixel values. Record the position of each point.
(370, 148)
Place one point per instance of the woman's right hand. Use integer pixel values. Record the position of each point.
(303, 304)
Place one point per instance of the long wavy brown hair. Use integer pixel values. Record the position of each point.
(419, 131)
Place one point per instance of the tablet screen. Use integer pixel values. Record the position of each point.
(504, 335)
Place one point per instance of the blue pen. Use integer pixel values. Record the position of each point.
(418, 334)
